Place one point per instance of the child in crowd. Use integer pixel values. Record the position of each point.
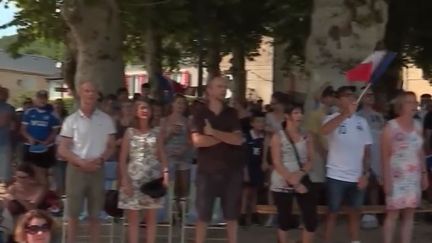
(254, 175)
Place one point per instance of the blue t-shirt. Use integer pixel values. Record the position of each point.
(255, 149)
(40, 123)
(6, 112)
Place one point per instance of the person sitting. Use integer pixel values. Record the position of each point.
(36, 226)
(26, 193)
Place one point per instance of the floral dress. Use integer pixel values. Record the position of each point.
(143, 167)
(405, 167)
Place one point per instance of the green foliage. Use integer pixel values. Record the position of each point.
(36, 21)
(289, 24)
(21, 97)
(38, 47)
(409, 32)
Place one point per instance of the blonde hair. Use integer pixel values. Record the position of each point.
(20, 234)
(399, 101)
(82, 82)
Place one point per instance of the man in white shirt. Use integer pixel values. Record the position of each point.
(87, 141)
(349, 141)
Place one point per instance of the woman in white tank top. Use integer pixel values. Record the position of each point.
(291, 150)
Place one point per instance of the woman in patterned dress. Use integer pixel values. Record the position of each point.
(404, 169)
(141, 161)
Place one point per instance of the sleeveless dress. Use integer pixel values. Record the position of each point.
(405, 167)
(143, 167)
(182, 162)
(289, 161)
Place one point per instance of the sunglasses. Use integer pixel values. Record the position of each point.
(34, 229)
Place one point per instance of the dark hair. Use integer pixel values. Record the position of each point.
(20, 229)
(112, 97)
(257, 114)
(341, 90)
(122, 90)
(328, 92)
(280, 97)
(176, 97)
(145, 86)
(290, 107)
(425, 96)
(26, 168)
(136, 96)
(135, 122)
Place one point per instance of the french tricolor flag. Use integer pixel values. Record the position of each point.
(372, 68)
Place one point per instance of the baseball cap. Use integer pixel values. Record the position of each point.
(42, 94)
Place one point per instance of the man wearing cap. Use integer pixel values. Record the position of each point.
(349, 139)
(7, 114)
(39, 129)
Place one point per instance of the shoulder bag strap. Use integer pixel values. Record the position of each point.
(294, 149)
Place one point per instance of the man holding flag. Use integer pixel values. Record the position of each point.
(349, 140)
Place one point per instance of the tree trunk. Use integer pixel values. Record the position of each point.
(239, 72)
(153, 49)
(343, 33)
(213, 58)
(95, 27)
(69, 66)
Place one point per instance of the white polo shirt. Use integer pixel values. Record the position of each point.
(346, 146)
(89, 134)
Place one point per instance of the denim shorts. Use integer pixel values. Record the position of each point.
(339, 192)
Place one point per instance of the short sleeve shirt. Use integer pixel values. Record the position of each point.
(346, 146)
(90, 135)
(40, 123)
(222, 156)
(376, 124)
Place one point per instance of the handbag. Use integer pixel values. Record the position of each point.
(305, 180)
(111, 204)
(155, 188)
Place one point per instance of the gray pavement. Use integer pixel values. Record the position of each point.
(422, 234)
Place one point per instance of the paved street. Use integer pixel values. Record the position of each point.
(422, 234)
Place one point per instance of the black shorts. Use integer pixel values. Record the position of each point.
(44, 160)
(227, 186)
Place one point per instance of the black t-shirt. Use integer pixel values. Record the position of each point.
(427, 124)
(220, 157)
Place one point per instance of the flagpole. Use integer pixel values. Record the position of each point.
(364, 92)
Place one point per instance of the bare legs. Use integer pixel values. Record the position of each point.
(95, 230)
(72, 230)
(353, 224)
(306, 237)
(200, 231)
(232, 231)
(407, 221)
(329, 227)
(133, 229)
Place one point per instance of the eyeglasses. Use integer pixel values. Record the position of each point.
(34, 229)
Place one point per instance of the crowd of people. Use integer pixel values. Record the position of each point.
(342, 152)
